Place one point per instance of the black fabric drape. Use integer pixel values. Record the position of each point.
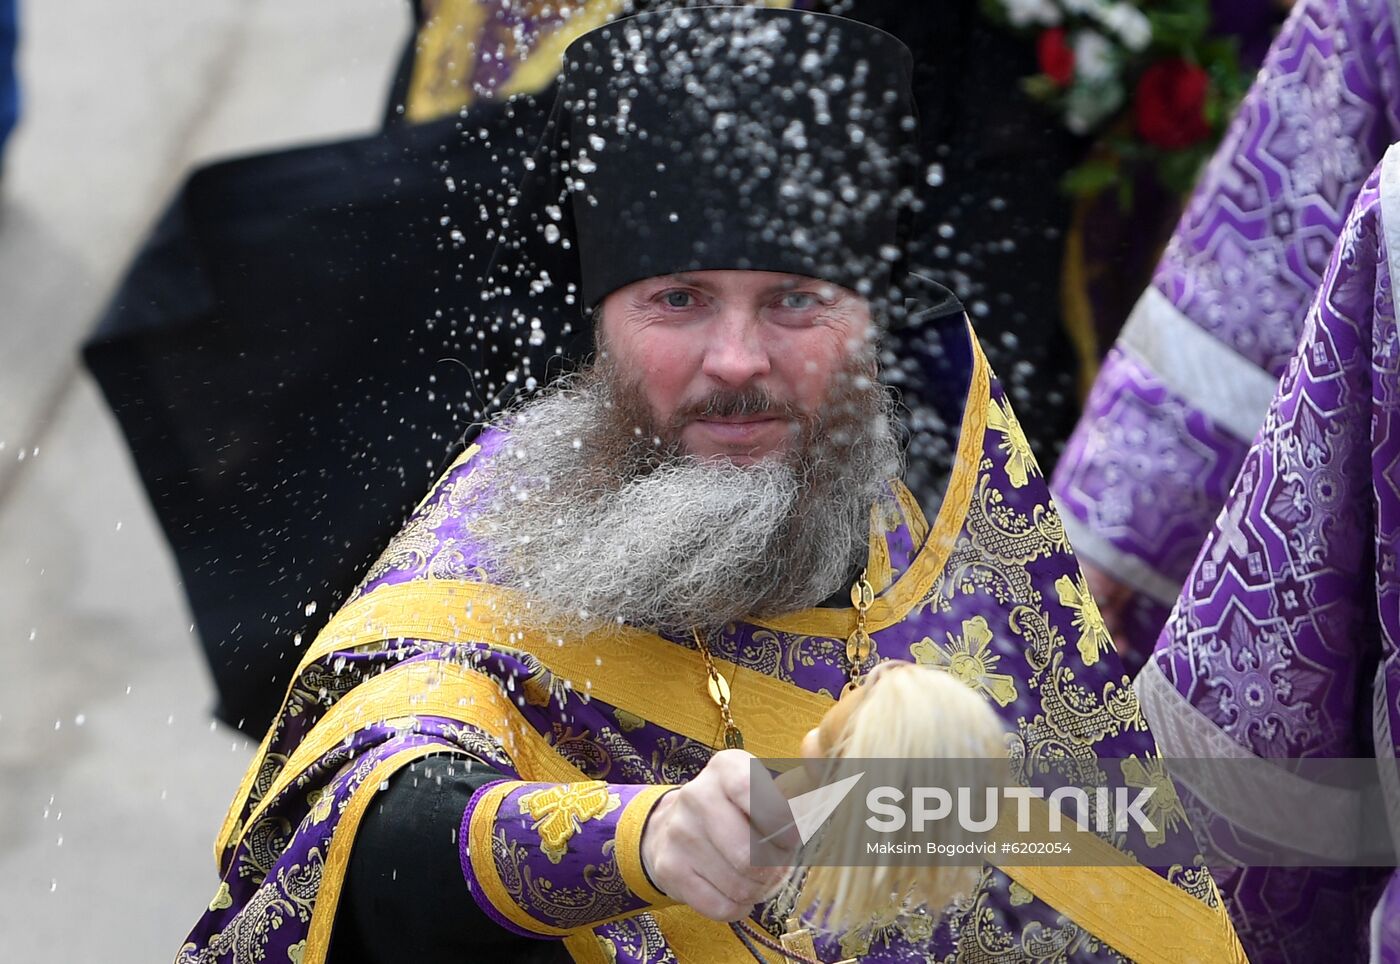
(290, 362)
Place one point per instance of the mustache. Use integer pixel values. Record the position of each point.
(736, 403)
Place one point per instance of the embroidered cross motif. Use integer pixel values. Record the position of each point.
(1164, 808)
(560, 812)
(1020, 460)
(1094, 637)
(967, 658)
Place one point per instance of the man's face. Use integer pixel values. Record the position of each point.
(734, 363)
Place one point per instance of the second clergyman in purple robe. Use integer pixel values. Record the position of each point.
(1184, 390)
(1285, 643)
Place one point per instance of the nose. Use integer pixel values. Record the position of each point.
(735, 353)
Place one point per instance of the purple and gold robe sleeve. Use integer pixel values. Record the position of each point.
(1183, 391)
(1283, 642)
(548, 859)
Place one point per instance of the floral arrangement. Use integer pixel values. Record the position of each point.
(1144, 76)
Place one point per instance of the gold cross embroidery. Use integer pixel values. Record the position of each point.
(559, 812)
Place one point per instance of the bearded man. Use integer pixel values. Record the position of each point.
(678, 554)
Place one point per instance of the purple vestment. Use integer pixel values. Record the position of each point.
(1283, 642)
(986, 588)
(1183, 391)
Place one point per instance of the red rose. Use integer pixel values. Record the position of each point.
(1056, 56)
(1170, 102)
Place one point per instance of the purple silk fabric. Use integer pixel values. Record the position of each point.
(1147, 469)
(1284, 638)
(1008, 611)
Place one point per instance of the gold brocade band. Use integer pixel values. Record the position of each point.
(482, 856)
(628, 841)
(620, 666)
(318, 937)
(448, 690)
(445, 60)
(1140, 913)
(1137, 912)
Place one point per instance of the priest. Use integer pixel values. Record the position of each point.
(526, 736)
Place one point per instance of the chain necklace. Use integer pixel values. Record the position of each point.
(719, 692)
(859, 646)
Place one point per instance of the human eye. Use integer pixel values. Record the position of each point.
(677, 298)
(798, 300)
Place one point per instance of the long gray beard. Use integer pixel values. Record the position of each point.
(596, 521)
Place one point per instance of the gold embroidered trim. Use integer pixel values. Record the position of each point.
(878, 569)
(586, 948)
(483, 860)
(428, 688)
(1140, 913)
(624, 667)
(231, 826)
(318, 937)
(1137, 912)
(457, 463)
(628, 842)
(449, 690)
(913, 513)
(693, 939)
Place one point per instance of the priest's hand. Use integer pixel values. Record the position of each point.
(707, 845)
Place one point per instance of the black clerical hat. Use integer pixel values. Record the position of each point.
(715, 137)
